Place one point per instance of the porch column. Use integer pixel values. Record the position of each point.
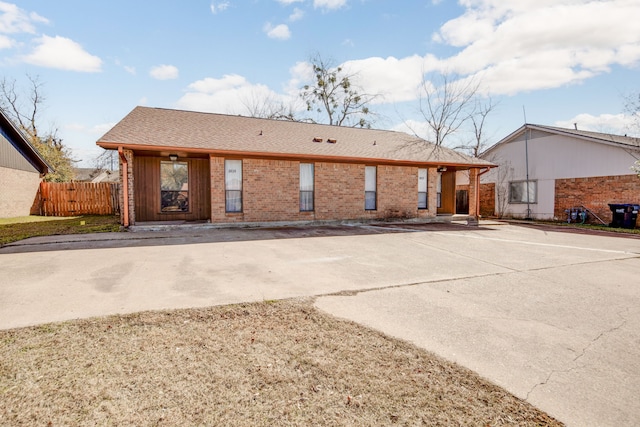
(432, 191)
(474, 193)
(127, 204)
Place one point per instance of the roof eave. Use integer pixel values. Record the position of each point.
(291, 156)
(34, 155)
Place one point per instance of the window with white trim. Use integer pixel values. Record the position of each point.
(370, 187)
(422, 188)
(306, 187)
(233, 185)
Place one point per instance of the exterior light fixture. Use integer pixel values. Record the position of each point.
(173, 157)
(442, 169)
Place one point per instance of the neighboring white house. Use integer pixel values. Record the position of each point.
(560, 169)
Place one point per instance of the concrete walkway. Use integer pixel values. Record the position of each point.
(552, 317)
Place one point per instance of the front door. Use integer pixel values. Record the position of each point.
(447, 192)
(462, 202)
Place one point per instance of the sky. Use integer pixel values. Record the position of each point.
(551, 62)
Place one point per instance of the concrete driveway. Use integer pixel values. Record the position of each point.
(553, 317)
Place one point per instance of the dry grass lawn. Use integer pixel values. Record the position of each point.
(264, 364)
(14, 229)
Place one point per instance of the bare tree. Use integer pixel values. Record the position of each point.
(268, 107)
(478, 120)
(108, 160)
(11, 104)
(25, 116)
(334, 96)
(632, 107)
(447, 106)
(503, 174)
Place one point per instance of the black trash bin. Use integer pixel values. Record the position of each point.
(624, 215)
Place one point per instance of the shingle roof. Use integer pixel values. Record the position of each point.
(605, 138)
(156, 129)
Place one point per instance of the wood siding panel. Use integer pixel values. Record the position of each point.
(147, 190)
(11, 157)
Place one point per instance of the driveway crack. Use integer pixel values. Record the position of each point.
(582, 353)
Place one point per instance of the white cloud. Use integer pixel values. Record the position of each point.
(617, 124)
(535, 44)
(64, 54)
(301, 73)
(16, 20)
(329, 4)
(414, 127)
(288, 2)
(348, 42)
(130, 70)
(164, 72)
(396, 80)
(297, 15)
(512, 47)
(279, 32)
(231, 94)
(6, 42)
(220, 7)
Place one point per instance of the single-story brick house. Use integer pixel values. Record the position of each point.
(567, 168)
(190, 166)
(21, 171)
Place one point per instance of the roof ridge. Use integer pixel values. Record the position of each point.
(296, 122)
(609, 137)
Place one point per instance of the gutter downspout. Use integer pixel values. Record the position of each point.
(477, 183)
(125, 187)
(526, 156)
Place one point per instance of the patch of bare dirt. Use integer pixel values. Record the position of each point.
(264, 364)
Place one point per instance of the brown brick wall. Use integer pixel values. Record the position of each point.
(340, 191)
(271, 192)
(473, 176)
(397, 192)
(487, 199)
(130, 197)
(595, 193)
(18, 190)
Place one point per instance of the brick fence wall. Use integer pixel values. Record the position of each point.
(595, 193)
(487, 199)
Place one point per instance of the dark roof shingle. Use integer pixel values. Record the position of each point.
(156, 129)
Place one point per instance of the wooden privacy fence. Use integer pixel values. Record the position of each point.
(78, 198)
